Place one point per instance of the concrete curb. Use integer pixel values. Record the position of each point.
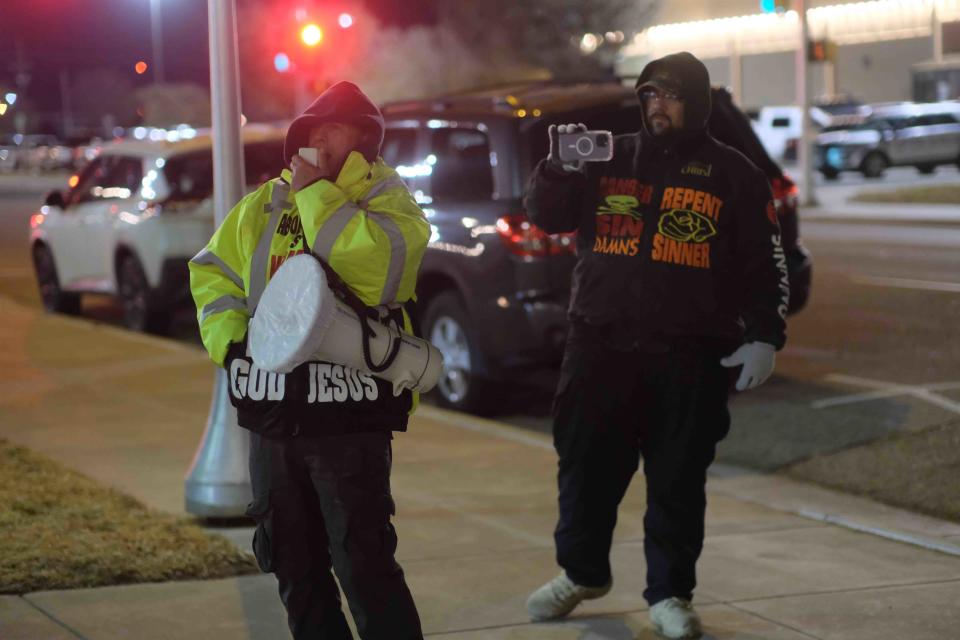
(884, 214)
(776, 492)
(781, 493)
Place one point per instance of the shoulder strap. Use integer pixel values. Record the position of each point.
(364, 314)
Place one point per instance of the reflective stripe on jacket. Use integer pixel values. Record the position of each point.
(366, 225)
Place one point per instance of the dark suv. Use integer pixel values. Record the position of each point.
(493, 288)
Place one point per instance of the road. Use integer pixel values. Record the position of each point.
(876, 351)
(19, 198)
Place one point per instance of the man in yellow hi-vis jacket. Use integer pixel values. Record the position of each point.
(320, 450)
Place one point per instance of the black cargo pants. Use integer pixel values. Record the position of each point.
(322, 503)
(616, 402)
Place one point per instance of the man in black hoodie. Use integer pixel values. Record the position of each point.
(680, 273)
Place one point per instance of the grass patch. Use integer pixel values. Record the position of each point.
(938, 194)
(917, 471)
(62, 530)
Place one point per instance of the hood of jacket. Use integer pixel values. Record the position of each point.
(343, 102)
(683, 74)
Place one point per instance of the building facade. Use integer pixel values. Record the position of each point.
(878, 50)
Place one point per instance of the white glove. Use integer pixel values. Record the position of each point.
(757, 359)
(554, 132)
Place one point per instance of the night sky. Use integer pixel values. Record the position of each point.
(83, 34)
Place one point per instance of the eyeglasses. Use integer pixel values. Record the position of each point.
(662, 96)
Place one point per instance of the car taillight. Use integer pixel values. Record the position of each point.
(785, 193)
(523, 238)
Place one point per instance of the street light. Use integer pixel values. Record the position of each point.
(311, 35)
(156, 38)
(218, 484)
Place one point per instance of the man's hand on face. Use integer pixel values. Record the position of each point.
(305, 174)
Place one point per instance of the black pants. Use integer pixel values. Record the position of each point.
(613, 406)
(322, 503)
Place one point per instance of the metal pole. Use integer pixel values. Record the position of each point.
(937, 32)
(803, 99)
(830, 77)
(156, 36)
(736, 73)
(66, 103)
(22, 79)
(218, 484)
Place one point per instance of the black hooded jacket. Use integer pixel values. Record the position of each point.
(343, 102)
(677, 234)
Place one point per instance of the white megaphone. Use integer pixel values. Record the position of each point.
(300, 319)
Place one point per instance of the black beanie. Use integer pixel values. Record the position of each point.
(343, 102)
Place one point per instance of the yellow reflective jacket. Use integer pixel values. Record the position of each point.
(366, 225)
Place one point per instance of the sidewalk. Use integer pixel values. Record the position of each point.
(476, 508)
(882, 212)
(836, 203)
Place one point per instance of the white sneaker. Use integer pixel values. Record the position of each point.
(675, 618)
(560, 596)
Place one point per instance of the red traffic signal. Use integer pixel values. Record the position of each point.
(311, 35)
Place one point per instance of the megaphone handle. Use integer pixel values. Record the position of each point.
(368, 333)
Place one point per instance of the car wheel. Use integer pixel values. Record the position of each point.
(141, 310)
(830, 174)
(447, 325)
(54, 299)
(874, 165)
(926, 169)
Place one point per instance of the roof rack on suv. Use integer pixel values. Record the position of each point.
(521, 99)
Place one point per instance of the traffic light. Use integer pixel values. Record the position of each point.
(774, 6)
(321, 41)
(821, 51)
(311, 34)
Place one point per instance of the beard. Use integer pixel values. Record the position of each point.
(660, 123)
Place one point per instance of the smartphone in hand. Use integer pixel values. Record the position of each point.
(310, 154)
(586, 146)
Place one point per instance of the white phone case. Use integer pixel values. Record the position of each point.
(310, 154)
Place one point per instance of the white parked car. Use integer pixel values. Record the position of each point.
(778, 127)
(133, 218)
(922, 135)
(775, 125)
